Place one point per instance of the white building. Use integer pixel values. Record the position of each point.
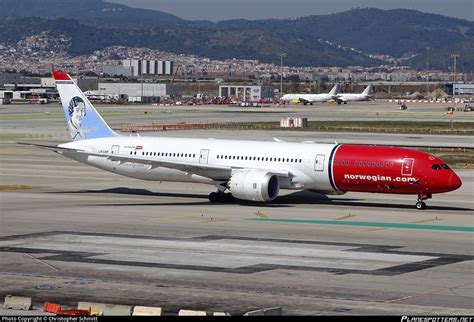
(248, 93)
(139, 91)
(148, 67)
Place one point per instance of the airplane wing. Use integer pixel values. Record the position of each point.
(305, 100)
(340, 99)
(215, 172)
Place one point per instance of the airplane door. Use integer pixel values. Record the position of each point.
(203, 155)
(407, 166)
(115, 149)
(319, 163)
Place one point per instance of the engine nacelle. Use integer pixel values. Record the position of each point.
(255, 185)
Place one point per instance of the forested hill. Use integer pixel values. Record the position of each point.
(354, 37)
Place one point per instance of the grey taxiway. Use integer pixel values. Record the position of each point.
(72, 233)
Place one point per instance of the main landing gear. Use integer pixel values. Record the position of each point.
(221, 197)
(420, 205)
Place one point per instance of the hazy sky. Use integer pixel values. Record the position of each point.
(216, 10)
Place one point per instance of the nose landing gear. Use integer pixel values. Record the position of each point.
(420, 205)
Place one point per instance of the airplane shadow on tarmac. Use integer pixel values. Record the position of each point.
(309, 197)
(289, 200)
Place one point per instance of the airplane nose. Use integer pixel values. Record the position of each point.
(454, 181)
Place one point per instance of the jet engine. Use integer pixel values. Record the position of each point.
(255, 185)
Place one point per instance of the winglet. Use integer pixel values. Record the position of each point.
(60, 75)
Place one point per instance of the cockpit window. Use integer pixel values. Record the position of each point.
(436, 167)
(445, 166)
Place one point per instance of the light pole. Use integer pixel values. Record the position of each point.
(428, 73)
(281, 73)
(455, 56)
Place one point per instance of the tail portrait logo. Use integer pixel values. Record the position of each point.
(77, 112)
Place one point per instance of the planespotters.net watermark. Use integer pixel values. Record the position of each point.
(437, 319)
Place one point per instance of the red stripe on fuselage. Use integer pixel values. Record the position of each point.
(390, 170)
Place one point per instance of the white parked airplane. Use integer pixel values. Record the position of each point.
(348, 97)
(312, 98)
(249, 170)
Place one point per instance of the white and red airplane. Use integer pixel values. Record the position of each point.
(248, 170)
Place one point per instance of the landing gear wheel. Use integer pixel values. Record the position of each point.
(420, 205)
(213, 197)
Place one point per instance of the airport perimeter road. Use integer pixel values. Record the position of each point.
(72, 233)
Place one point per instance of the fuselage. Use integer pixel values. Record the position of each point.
(307, 97)
(353, 97)
(326, 168)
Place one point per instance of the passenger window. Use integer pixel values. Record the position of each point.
(445, 166)
(436, 167)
